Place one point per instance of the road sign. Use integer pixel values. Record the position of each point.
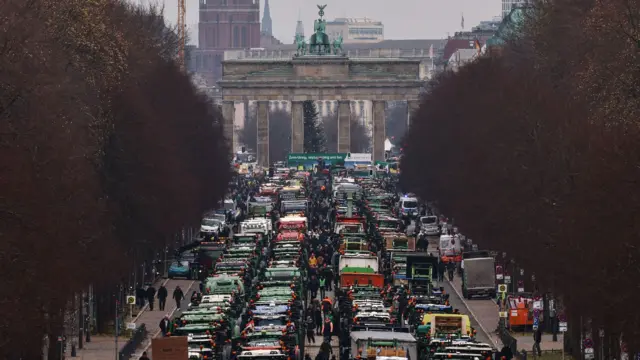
(536, 322)
(507, 279)
(504, 314)
(537, 305)
(131, 326)
(131, 300)
(502, 288)
(587, 343)
(562, 326)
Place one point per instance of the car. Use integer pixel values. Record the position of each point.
(211, 226)
(180, 268)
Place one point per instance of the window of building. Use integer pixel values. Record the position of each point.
(365, 31)
(245, 37)
(236, 37)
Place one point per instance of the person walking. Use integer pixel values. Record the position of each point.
(144, 356)
(162, 297)
(178, 295)
(317, 314)
(537, 338)
(164, 325)
(323, 286)
(311, 326)
(314, 284)
(151, 294)
(442, 267)
(327, 330)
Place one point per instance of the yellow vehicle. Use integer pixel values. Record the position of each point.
(447, 324)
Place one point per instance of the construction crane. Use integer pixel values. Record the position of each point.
(182, 33)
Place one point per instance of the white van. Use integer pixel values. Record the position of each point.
(408, 206)
(429, 225)
(450, 245)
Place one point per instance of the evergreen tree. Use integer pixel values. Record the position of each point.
(314, 137)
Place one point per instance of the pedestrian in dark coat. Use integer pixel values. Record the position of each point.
(162, 297)
(151, 294)
(178, 295)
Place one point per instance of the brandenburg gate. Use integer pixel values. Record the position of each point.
(318, 71)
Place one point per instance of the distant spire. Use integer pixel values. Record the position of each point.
(266, 20)
(299, 28)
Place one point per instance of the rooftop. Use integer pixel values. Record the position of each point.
(385, 44)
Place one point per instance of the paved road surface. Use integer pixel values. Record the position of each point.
(483, 334)
(313, 349)
(152, 318)
(482, 312)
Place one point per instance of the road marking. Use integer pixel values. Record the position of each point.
(170, 316)
(453, 286)
(146, 306)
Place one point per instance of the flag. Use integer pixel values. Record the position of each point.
(462, 21)
(431, 51)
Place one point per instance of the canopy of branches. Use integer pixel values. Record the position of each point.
(535, 152)
(102, 141)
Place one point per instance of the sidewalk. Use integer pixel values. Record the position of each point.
(525, 342)
(486, 313)
(151, 319)
(103, 347)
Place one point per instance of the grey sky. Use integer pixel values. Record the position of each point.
(402, 19)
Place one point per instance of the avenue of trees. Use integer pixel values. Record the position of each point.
(106, 151)
(535, 152)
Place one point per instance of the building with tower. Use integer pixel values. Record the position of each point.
(266, 35)
(299, 29)
(225, 25)
(266, 20)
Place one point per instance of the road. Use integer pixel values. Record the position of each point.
(481, 312)
(151, 319)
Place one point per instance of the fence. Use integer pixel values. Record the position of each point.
(137, 337)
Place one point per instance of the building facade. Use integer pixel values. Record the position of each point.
(225, 25)
(508, 5)
(356, 30)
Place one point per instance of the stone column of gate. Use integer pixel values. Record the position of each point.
(379, 135)
(228, 116)
(263, 133)
(297, 127)
(344, 126)
(412, 108)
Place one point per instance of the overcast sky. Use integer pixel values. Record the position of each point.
(402, 19)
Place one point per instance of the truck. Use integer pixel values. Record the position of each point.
(478, 275)
(359, 269)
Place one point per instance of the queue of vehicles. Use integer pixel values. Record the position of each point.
(379, 268)
(388, 306)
